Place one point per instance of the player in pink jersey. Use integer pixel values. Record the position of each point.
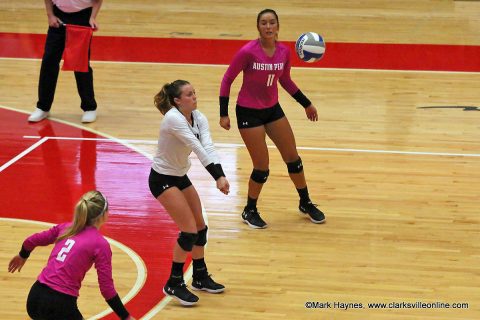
(78, 245)
(264, 63)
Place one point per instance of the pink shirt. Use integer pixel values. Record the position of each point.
(71, 258)
(72, 5)
(260, 75)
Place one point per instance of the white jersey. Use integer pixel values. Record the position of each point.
(178, 139)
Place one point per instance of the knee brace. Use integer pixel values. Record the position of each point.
(202, 237)
(259, 176)
(187, 240)
(296, 166)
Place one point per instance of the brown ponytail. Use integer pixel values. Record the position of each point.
(165, 99)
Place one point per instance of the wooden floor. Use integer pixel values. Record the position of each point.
(398, 181)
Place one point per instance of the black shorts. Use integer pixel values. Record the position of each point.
(45, 303)
(250, 118)
(161, 182)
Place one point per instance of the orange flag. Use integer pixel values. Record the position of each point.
(77, 43)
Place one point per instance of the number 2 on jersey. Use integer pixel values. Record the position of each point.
(270, 78)
(65, 250)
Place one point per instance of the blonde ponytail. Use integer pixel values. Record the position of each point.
(89, 208)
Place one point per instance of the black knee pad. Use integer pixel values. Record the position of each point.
(202, 237)
(187, 240)
(296, 166)
(260, 176)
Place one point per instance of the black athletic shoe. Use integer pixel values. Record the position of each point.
(316, 216)
(181, 293)
(252, 218)
(207, 284)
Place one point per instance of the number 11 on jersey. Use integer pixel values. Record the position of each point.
(270, 78)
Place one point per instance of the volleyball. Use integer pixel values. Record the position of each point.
(310, 47)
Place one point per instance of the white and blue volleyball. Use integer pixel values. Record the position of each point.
(310, 47)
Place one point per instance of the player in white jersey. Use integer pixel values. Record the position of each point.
(183, 130)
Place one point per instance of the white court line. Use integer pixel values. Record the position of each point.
(239, 145)
(23, 153)
(141, 271)
(124, 141)
(75, 125)
(225, 65)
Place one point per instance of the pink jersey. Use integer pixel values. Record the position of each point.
(71, 258)
(260, 75)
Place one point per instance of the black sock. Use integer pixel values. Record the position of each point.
(176, 274)
(251, 203)
(303, 193)
(199, 268)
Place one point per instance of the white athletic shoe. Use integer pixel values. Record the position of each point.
(38, 115)
(89, 116)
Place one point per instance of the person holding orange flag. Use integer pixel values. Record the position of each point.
(71, 12)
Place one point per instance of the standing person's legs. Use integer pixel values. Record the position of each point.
(201, 279)
(282, 135)
(47, 83)
(254, 139)
(86, 92)
(85, 79)
(177, 207)
(173, 200)
(85, 89)
(193, 200)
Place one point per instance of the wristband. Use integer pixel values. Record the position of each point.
(300, 97)
(24, 253)
(117, 306)
(224, 106)
(214, 172)
(220, 169)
